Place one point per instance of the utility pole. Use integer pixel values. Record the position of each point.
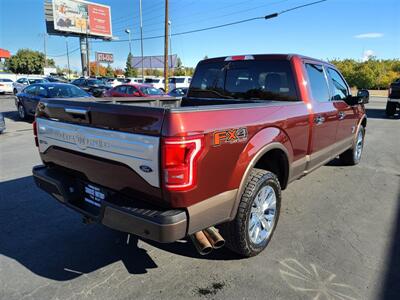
(170, 41)
(166, 48)
(141, 37)
(128, 31)
(69, 71)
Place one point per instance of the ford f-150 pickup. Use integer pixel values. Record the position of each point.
(210, 166)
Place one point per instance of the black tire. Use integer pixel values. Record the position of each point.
(350, 157)
(15, 91)
(22, 112)
(236, 232)
(390, 109)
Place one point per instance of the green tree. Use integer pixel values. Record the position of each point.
(109, 71)
(28, 62)
(179, 68)
(130, 71)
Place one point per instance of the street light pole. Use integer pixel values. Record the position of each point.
(129, 38)
(166, 48)
(141, 38)
(69, 72)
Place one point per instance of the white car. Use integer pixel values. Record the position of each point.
(6, 85)
(176, 82)
(23, 82)
(157, 82)
(138, 80)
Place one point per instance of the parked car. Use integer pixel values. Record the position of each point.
(6, 85)
(93, 86)
(157, 82)
(393, 101)
(23, 82)
(2, 123)
(57, 79)
(27, 101)
(218, 157)
(179, 92)
(133, 90)
(179, 82)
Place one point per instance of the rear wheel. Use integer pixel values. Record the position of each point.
(352, 156)
(258, 212)
(391, 108)
(21, 112)
(15, 91)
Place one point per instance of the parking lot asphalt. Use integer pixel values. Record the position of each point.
(338, 236)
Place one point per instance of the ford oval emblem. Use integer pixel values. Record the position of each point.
(146, 169)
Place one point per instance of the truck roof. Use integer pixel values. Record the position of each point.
(271, 56)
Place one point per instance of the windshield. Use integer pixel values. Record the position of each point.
(95, 81)
(65, 91)
(32, 81)
(255, 79)
(5, 80)
(151, 91)
(152, 80)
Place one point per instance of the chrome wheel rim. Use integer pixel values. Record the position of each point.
(359, 145)
(262, 215)
(21, 112)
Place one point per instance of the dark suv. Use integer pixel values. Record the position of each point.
(91, 85)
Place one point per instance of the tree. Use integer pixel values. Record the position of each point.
(109, 71)
(205, 56)
(118, 72)
(179, 68)
(130, 71)
(27, 61)
(97, 67)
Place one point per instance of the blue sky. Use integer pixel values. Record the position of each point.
(332, 29)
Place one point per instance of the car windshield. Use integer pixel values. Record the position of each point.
(65, 91)
(151, 91)
(5, 80)
(94, 81)
(152, 80)
(39, 80)
(248, 79)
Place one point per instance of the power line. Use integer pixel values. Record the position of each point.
(64, 54)
(270, 16)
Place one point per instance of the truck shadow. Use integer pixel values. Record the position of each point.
(391, 287)
(51, 241)
(13, 115)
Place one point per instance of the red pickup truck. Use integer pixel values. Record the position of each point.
(169, 168)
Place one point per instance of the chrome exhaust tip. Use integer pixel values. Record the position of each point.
(200, 241)
(214, 237)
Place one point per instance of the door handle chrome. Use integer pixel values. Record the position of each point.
(342, 115)
(319, 120)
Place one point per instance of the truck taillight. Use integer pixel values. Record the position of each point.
(179, 161)
(389, 91)
(35, 133)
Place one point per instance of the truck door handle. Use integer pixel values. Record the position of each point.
(342, 115)
(319, 120)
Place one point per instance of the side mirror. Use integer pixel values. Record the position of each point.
(363, 95)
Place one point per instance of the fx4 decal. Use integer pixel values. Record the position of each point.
(230, 136)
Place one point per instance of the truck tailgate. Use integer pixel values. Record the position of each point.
(111, 145)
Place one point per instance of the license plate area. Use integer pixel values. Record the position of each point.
(93, 195)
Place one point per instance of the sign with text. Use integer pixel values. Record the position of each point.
(104, 57)
(81, 17)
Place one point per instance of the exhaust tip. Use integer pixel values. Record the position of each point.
(219, 244)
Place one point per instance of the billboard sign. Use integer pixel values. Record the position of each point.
(104, 57)
(81, 17)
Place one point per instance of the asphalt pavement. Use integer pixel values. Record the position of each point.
(338, 236)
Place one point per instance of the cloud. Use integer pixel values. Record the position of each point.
(369, 35)
(367, 55)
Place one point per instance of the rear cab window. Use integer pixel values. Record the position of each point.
(245, 80)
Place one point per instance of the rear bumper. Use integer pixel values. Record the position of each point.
(116, 212)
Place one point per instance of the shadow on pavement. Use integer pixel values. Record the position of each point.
(51, 241)
(391, 286)
(376, 113)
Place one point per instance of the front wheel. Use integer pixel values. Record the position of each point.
(258, 212)
(390, 109)
(352, 156)
(21, 112)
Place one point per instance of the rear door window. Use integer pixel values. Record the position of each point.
(317, 82)
(121, 89)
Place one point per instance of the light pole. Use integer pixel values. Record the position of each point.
(129, 38)
(141, 37)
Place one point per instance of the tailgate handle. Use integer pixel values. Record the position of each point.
(77, 113)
